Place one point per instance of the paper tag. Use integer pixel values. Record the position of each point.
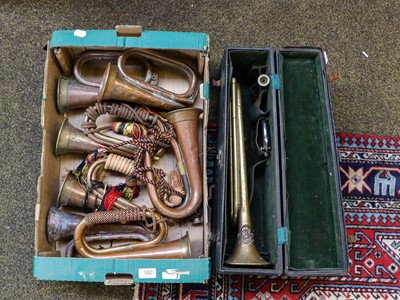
(147, 273)
(80, 33)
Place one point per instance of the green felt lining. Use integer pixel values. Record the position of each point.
(312, 212)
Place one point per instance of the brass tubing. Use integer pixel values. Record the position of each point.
(244, 252)
(104, 55)
(233, 154)
(185, 98)
(114, 87)
(72, 94)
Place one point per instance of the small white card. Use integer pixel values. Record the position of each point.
(147, 273)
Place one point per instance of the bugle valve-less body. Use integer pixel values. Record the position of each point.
(245, 251)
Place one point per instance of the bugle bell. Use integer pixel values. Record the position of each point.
(72, 140)
(61, 224)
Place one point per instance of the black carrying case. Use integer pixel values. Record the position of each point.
(295, 197)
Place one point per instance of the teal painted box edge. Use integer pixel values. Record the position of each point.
(148, 39)
(142, 270)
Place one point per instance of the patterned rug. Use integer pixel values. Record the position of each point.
(370, 177)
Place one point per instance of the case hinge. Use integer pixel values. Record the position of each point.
(282, 235)
(275, 81)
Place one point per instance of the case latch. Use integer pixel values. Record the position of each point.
(129, 30)
(282, 235)
(275, 81)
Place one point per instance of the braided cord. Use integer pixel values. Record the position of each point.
(136, 214)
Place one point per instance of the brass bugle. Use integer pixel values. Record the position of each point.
(72, 140)
(244, 252)
(61, 225)
(82, 92)
(175, 249)
(186, 123)
(72, 194)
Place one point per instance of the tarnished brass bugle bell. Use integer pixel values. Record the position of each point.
(72, 140)
(186, 123)
(117, 84)
(71, 94)
(61, 224)
(175, 249)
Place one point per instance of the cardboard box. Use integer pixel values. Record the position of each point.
(294, 193)
(63, 49)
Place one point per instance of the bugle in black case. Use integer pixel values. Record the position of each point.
(289, 221)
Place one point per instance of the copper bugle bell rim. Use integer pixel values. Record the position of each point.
(61, 142)
(61, 90)
(104, 82)
(183, 114)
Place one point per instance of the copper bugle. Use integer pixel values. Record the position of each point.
(116, 88)
(82, 92)
(244, 252)
(72, 194)
(61, 225)
(186, 123)
(72, 140)
(186, 98)
(117, 84)
(175, 249)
